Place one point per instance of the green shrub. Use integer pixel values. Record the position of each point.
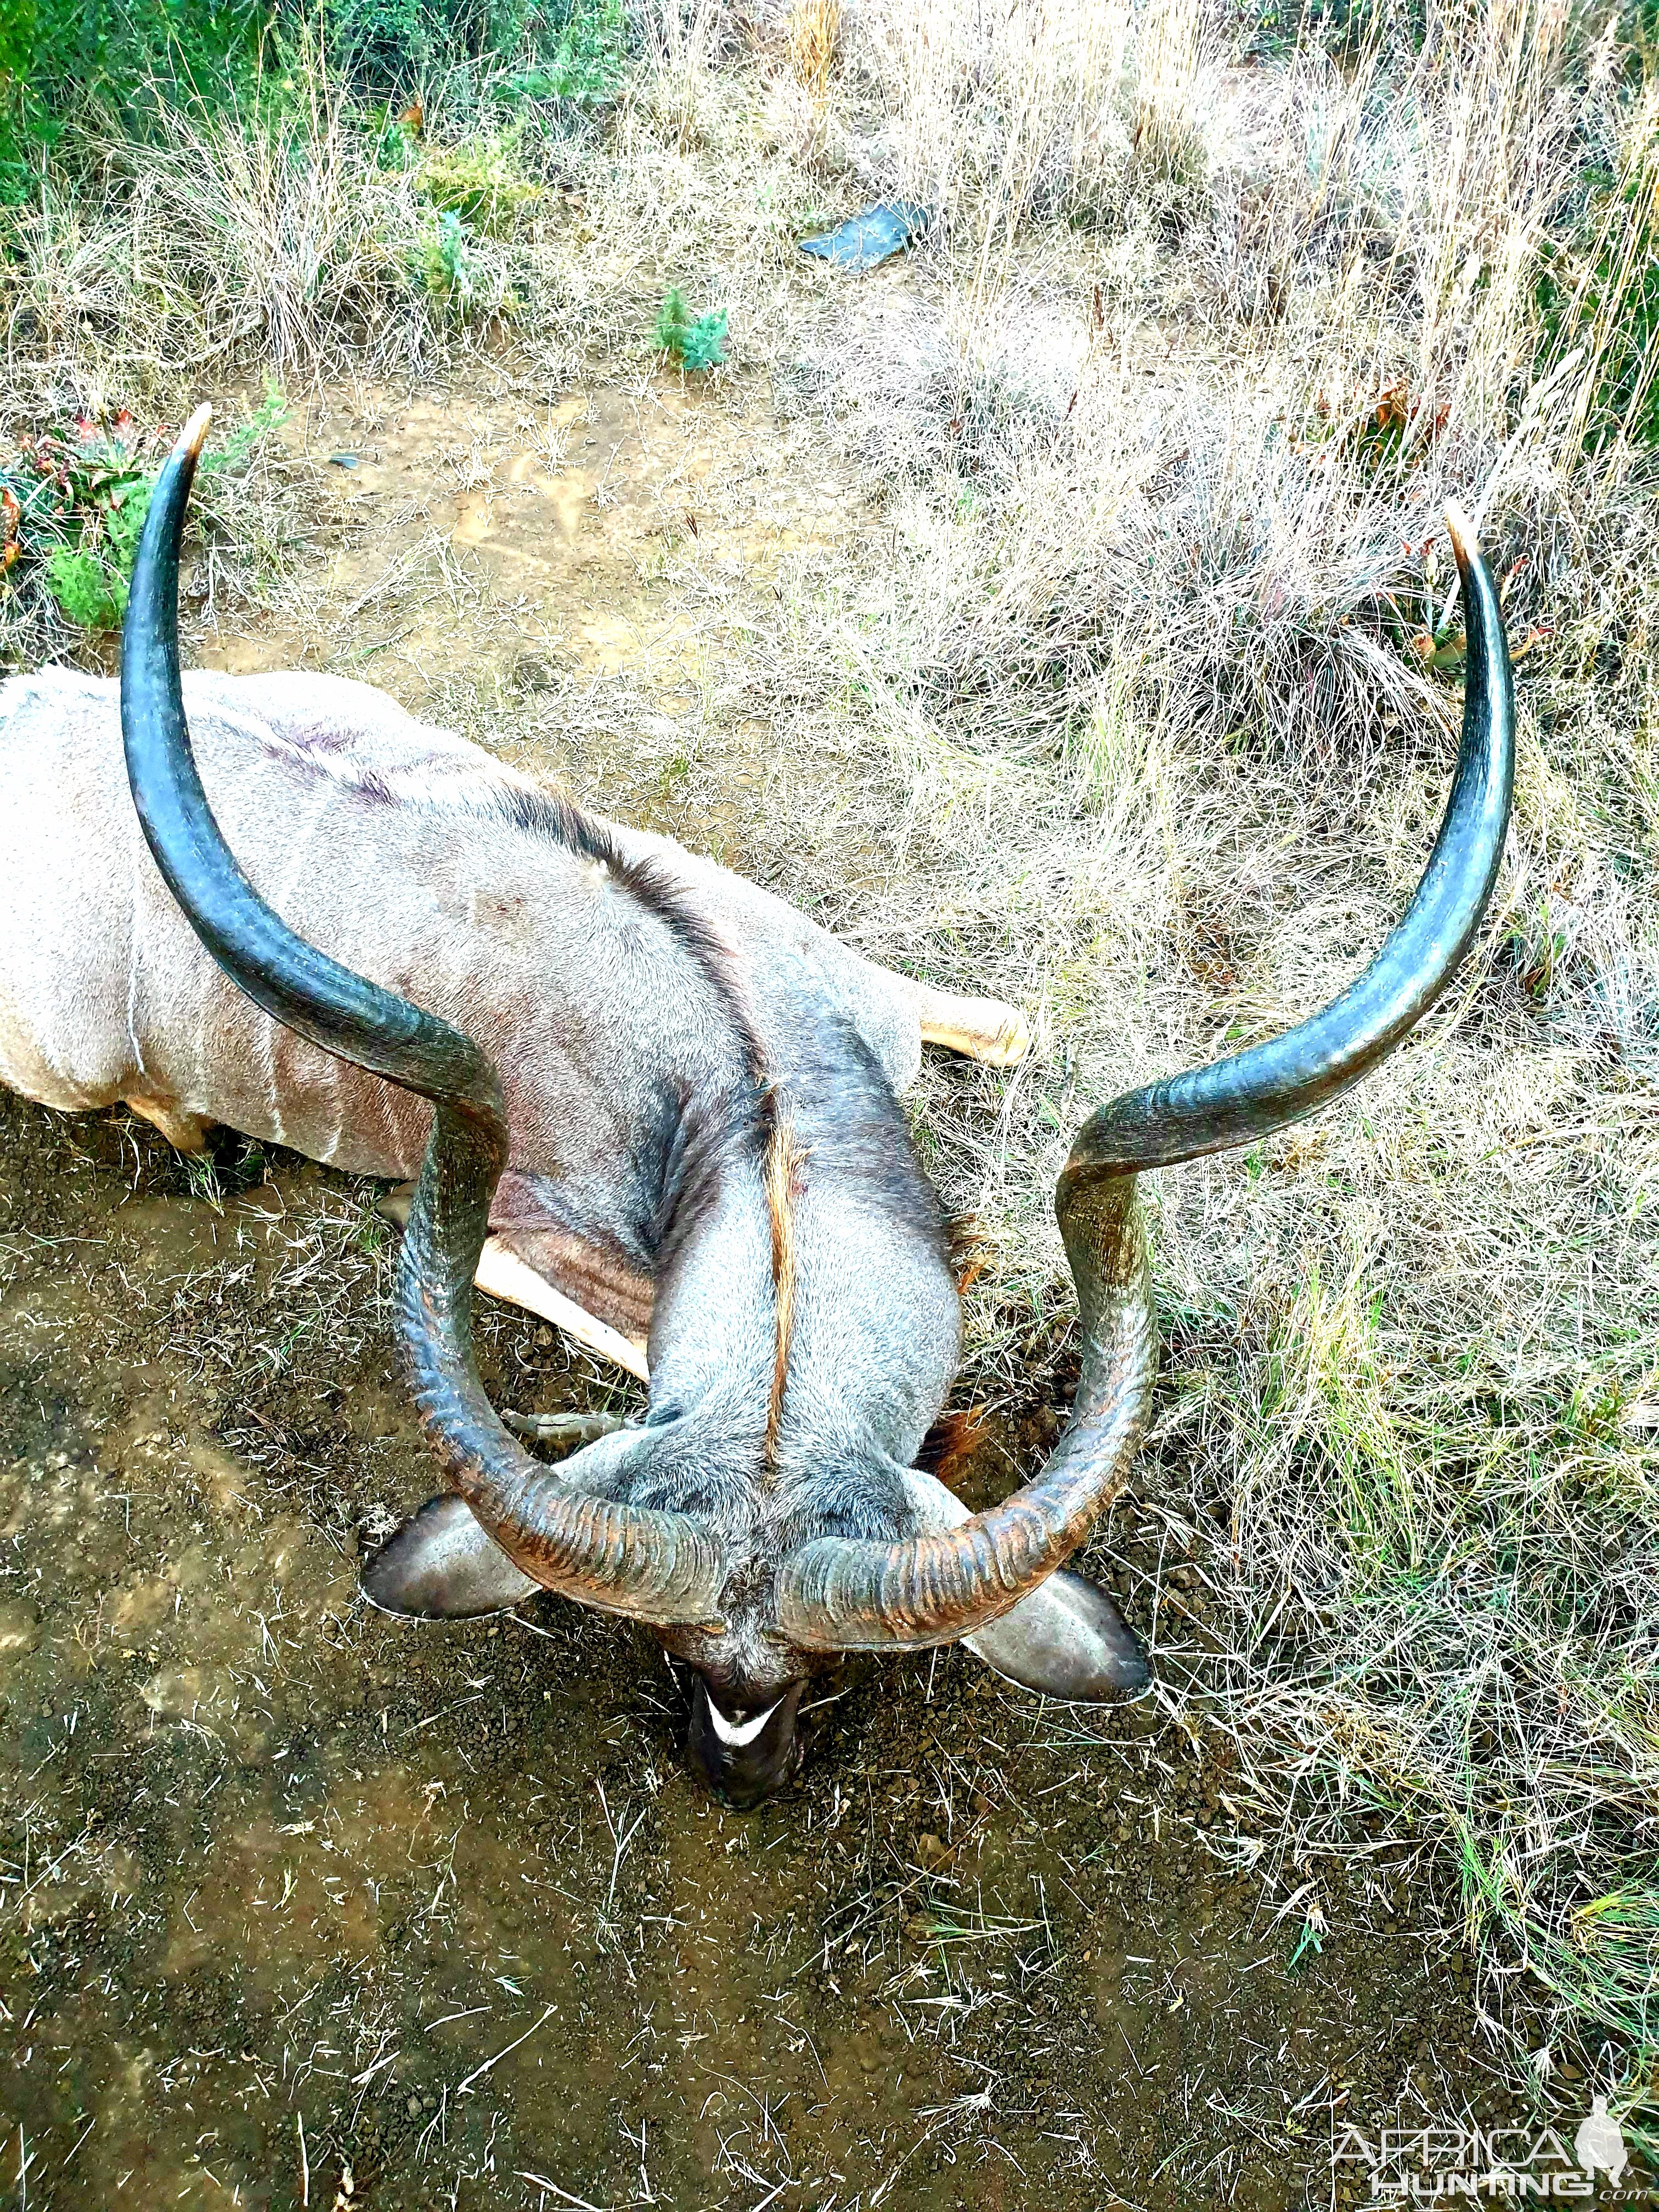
(574, 49)
(456, 275)
(73, 503)
(19, 117)
(57, 54)
(482, 183)
(383, 46)
(1602, 294)
(131, 55)
(585, 63)
(86, 591)
(80, 510)
(1343, 28)
(447, 264)
(690, 345)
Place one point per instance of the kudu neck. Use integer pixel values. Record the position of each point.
(809, 1312)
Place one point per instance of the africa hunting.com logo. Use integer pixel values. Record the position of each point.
(1442, 2165)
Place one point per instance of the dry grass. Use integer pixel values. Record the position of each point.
(991, 115)
(1163, 636)
(218, 246)
(814, 34)
(294, 238)
(1175, 41)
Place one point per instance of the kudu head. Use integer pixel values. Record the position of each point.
(756, 1627)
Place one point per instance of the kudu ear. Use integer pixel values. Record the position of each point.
(443, 1565)
(1066, 1639)
(440, 1565)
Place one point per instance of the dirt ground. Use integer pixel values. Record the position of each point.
(303, 1907)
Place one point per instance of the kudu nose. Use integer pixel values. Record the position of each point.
(743, 1753)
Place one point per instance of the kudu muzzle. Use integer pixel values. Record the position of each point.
(662, 1567)
(742, 1753)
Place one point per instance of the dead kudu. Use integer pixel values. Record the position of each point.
(733, 1162)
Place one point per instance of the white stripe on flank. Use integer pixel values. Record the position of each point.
(740, 1731)
(331, 1069)
(268, 1030)
(137, 849)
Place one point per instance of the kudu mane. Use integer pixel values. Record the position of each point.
(712, 1134)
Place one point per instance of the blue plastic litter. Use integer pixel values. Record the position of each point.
(865, 240)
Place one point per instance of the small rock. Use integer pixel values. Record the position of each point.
(18, 1629)
(532, 673)
(177, 1691)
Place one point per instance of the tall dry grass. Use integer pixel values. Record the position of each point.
(299, 236)
(814, 36)
(990, 112)
(1164, 634)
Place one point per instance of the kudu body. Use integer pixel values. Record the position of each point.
(702, 1094)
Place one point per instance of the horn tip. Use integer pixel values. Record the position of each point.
(1465, 542)
(191, 438)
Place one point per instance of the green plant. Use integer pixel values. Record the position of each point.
(446, 260)
(454, 275)
(383, 46)
(689, 345)
(89, 580)
(237, 448)
(73, 503)
(1599, 297)
(19, 114)
(391, 48)
(586, 65)
(80, 509)
(131, 56)
(87, 592)
(482, 182)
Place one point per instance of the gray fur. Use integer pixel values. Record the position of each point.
(440, 1565)
(625, 989)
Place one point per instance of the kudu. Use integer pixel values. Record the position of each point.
(715, 1094)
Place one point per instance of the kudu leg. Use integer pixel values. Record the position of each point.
(186, 1131)
(983, 1029)
(505, 1275)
